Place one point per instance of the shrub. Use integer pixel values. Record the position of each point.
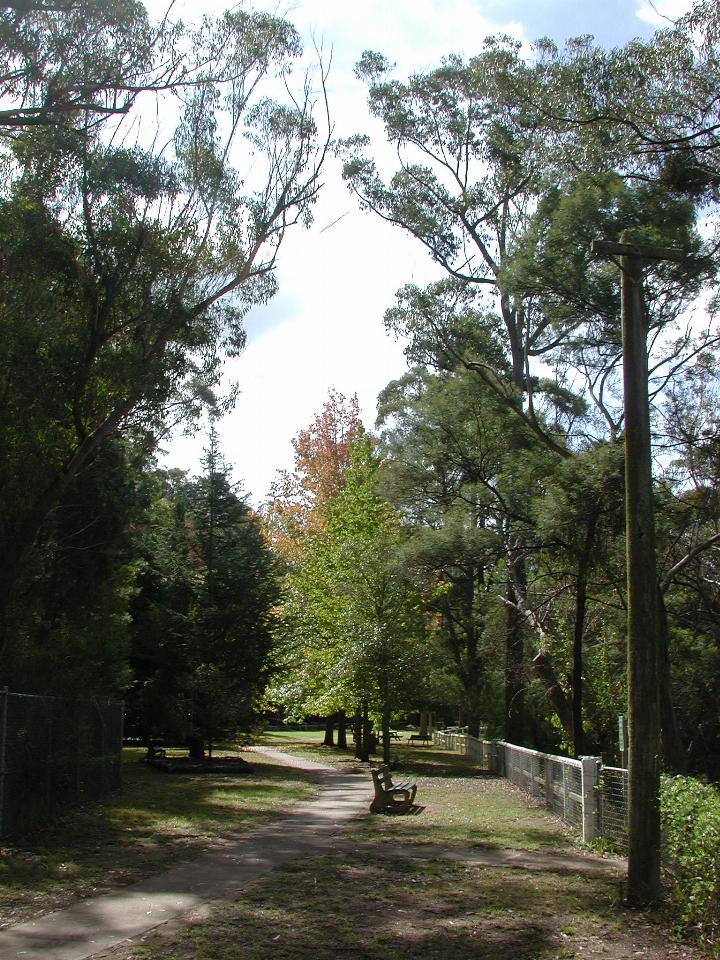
(690, 813)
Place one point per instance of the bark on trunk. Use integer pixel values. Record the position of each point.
(675, 758)
(545, 672)
(386, 736)
(358, 732)
(584, 562)
(514, 687)
(342, 731)
(329, 740)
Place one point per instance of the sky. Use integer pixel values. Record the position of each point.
(324, 328)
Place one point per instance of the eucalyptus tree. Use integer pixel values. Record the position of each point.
(128, 265)
(648, 109)
(81, 62)
(486, 162)
(476, 186)
(444, 444)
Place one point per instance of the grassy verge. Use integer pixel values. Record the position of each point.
(382, 894)
(364, 903)
(374, 909)
(459, 805)
(154, 821)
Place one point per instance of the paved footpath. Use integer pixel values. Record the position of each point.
(92, 926)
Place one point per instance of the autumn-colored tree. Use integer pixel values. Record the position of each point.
(300, 499)
(296, 512)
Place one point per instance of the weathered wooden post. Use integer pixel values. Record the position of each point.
(643, 642)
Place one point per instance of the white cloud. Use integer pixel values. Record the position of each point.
(325, 328)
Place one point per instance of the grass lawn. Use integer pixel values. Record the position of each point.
(155, 820)
(389, 888)
(368, 907)
(363, 903)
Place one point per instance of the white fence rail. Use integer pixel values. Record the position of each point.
(588, 797)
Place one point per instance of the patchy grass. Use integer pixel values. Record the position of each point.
(154, 821)
(289, 737)
(460, 805)
(470, 812)
(368, 907)
(380, 895)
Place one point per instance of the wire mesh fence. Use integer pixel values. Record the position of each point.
(55, 753)
(612, 806)
(556, 781)
(589, 798)
(483, 753)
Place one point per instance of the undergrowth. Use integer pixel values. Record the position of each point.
(690, 811)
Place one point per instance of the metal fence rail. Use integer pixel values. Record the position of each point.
(55, 753)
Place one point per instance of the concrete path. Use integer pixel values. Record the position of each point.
(92, 926)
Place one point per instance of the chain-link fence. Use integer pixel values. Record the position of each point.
(55, 753)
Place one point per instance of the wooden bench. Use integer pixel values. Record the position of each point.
(398, 797)
(418, 738)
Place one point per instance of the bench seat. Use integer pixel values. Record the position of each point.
(389, 796)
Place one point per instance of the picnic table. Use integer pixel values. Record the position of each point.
(393, 736)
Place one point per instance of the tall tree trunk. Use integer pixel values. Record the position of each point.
(362, 736)
(644, 839)
(515, 725)
(342, 730)
(675, 758)
(369, 738)
(386, 735)
(358, 730)
(329, 740)
(545, 672)
(584, 563)
(473, 668)
(424, 715)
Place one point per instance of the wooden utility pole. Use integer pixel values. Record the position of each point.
(643, 635)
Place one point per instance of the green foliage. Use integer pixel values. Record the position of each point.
(354, 629)
(690, 813)
(506, 170)
(203, 614)
(127, 271)
(71, 629)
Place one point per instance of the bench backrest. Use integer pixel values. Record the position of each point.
(381, 776)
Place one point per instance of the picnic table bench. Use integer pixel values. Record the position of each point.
(398, 797)
(417, 737)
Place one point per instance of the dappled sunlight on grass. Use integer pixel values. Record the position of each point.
(461, 805)
(381, 908)
(155, 820)
(483, 812)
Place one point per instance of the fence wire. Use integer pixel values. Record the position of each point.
(590, 798)
(612, 805)
(556, 781)
(55, 753)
